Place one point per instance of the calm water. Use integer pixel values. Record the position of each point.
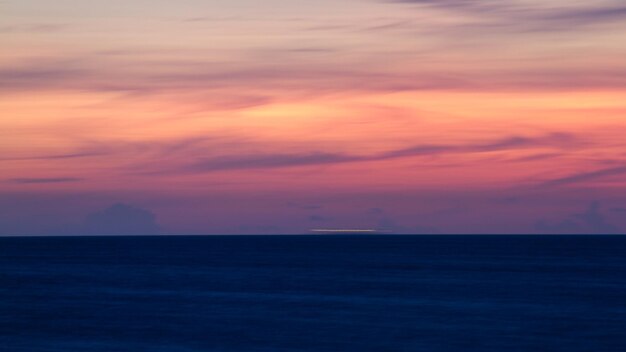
(313, 293)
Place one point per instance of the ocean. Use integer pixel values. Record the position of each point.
(313, 293)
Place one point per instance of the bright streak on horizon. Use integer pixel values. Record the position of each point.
(344, 230)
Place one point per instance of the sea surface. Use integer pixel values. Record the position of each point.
(313, 293)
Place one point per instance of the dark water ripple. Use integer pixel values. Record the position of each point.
(313, 293)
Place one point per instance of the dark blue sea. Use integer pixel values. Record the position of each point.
(313, 293)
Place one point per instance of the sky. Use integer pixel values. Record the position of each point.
(283, 116)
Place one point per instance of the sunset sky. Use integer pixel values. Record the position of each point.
(282, 116)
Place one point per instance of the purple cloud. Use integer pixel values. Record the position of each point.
(272, 161)
(45, 180)
(268, 161)
(531, 16)
(559, 140)
(229, 87)
(587, 176)
(592, 221)
(121, 219)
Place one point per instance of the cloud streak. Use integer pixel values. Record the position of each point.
(508, 143)
(45, 180)
(592, 221)
(121, 219)
(586, 176)
(283, 160)
(527, 15)
(234, 87)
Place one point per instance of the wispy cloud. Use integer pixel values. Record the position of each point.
(121, 219)
(529, 15)
(282, 160)
(45, 180)
(268, 161)
(587, 176)
(201, 154)
(592, 221)
(33, 28)
(231, 86)
(508, 143)
(134, 149)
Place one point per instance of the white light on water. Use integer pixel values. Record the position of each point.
(344, 230)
